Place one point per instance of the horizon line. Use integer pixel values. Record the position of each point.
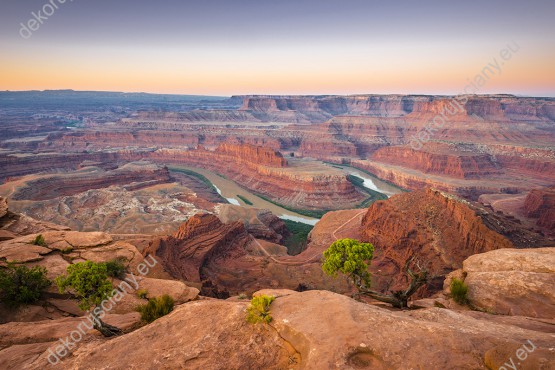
(507, 94)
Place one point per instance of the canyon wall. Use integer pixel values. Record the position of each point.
(135, 175)
(314, 108)
(485, 146)
(461, 165)
(436, 229)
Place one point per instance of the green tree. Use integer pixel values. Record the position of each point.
(89, 282)
(22, 285)
(352, 258)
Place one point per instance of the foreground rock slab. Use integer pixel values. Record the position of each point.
(310, 330)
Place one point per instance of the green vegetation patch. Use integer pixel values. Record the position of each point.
(259, 309)
(39, 240)
(142, 293)
(116, 268)
(297, 241)
(156, 308)
(22, 285)
(459, 291)
(88, 281)
(247, 202)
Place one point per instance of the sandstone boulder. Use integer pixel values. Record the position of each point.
(180, 292)
(25, 225)
(15, 333)
(14, 251)
(105, 253)
(513, 281)
(55, 265)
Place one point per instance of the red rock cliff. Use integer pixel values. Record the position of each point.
(437, 229)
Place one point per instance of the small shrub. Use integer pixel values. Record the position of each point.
(459, 291)
(22, 285)
(116, 268)
(259, 309)
(142, 293)
(156, 308)
(39, 240)
(242, 296)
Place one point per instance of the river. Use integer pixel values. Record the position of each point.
(372, 182)
(232, 192)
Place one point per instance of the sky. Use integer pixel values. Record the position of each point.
(230, 47)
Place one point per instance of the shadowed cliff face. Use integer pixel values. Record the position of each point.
(197, 243)
(540, 204)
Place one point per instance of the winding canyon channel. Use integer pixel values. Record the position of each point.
(231, 191)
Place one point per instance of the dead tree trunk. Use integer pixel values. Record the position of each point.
(106, 329)
(398, 298)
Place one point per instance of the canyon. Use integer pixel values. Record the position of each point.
(208, 190)
(484, 146)
(298, 153)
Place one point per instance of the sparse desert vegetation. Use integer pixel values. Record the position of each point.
(20, 284)
(259, 309)
(156, 308)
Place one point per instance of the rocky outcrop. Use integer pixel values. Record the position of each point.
(540, 204)
(22, 249)
(309, 330)
(229, 260)
(260, 223)
(439, 230)
(252, 155)
(197, 243)
(157, 209)
(19, 165)
(511, 281)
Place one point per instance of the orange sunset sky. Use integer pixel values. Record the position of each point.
(294, 47)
